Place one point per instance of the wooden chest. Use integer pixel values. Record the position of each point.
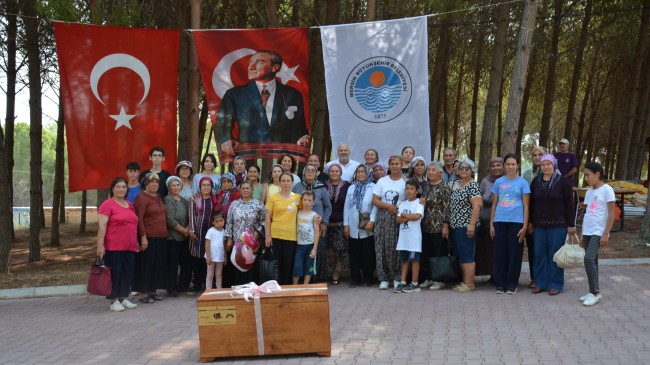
(293, 321)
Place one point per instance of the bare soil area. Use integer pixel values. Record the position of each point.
(69, 263)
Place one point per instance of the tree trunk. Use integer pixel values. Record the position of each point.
(459, 93)
(183, 81)
(84, 205)
(35, 128)
(492, 103)
(500, 118)
(549, 95)
(577, 71)
(612, 137)
(643, 140)
(637, 141)
(438, 78)
(628, 125)
(445, 112)
(194, 89)
(479, 40)
(58, 177)
(519, 76)
(10, 117)
(370, 10)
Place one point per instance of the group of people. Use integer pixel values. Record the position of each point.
(187, 231)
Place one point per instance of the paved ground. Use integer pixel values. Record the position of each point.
(367, 327)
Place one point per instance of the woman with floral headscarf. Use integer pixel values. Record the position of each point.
(378, 171)
(529, 175)
(201, 207)
(358, 225)
(227, 194)
(337, 243)
(417, 170)
(552, 213)
(239, 170)
(322, 207)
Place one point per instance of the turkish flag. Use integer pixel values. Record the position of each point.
(236, 109)
(119, 99)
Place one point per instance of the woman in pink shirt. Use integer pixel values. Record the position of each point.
(117, 243)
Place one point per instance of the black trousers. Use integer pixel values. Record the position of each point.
(285, 252)
(122, 264)
(530, 247)
(151, 266)
(362, 259)
(185, 261)
(433, 245)
(173, 252)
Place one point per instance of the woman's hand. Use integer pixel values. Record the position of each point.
(144, 243)
(268, 241)
(312, 254)
(531, 229)
(393, 209)
(492, 231)
(470, 231)
(346, 232)
(229, 244)
(445, 231)
(323, 229)
(571, 230)
(100, 250)
(193, 236)
(370, 226)
(521, 235)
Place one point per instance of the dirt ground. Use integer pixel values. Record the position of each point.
(69, 264)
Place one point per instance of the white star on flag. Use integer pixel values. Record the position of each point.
(286, 74)
(123, 119)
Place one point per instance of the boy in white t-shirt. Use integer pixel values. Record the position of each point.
(214, 250)
(409, 244)
(598, 221)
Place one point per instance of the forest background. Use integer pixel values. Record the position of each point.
(504, 76)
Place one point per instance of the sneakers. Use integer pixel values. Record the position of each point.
(436, 285)
(396, 283)
(383, 285)
(399, 287)
(117, 306)
(426, 284)
(128, 305)
(410, 288)
(582, 298)
(591, 299)
(499, 291)
(511, 291)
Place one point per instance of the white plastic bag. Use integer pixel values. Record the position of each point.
(571, 255)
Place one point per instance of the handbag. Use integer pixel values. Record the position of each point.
(99, 278)
(364, 219)
(269, 269)
(571, 255)
(444, 268)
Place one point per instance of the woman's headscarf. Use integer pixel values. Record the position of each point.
(314, 184)
(494, 160)
(171, 179)
(225, 198)
(238, 177)
(334, 191)
(556, 173)
(360, 187)
(383, 168)
(412, 166)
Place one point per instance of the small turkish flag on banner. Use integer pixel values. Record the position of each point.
(256, 83)
(119, 99)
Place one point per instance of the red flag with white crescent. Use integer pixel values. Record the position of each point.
(235, 67)
(119, 89)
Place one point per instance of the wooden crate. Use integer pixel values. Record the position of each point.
(293, 321)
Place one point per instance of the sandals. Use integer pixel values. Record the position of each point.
(462, 288)
(553, 292)
(146, 300)
(335, 282)
(531, 284)
(537, 290)
(156, 297)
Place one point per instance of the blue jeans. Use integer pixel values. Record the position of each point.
(303, 264)
(507, 255)
(464, 247)
(547, 241)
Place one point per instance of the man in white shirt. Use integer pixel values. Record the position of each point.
(349, 166)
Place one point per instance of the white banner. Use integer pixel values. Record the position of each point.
(377, 86)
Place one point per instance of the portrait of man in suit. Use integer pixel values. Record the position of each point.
(263, 110)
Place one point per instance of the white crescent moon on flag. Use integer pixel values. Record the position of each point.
(119, 60)
(221, 80)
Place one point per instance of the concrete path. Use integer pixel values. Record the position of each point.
(368, 326)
